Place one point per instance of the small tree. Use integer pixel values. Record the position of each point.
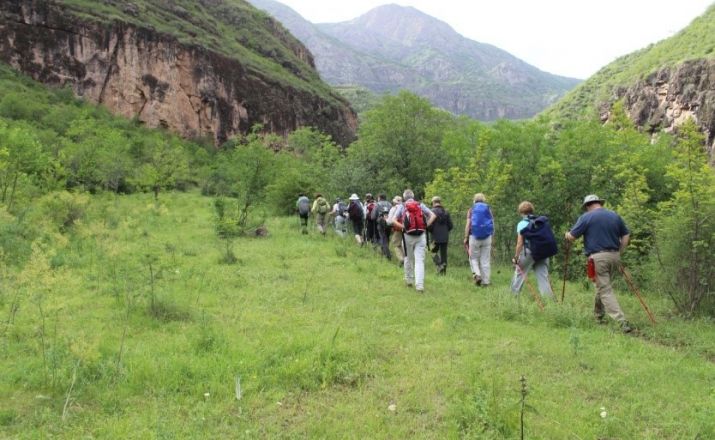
(686, 225)
(165, 164)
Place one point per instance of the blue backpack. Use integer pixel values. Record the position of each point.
(482, 221)
(540, 238)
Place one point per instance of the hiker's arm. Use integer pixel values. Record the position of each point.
(468, 226)
(519, 247)
(577, 230)
(432, 218)
(494, 226)
(624, 242)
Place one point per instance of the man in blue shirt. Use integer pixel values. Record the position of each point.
(605, 238)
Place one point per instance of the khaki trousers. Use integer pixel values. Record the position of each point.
(607, 264)
(396, 243)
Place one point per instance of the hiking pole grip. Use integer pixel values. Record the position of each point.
(529, 286)
(632, 286)
(566, 268)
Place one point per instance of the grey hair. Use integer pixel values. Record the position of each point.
(408, 194)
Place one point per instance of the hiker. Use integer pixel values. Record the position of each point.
(380, 215)
(478, 234)
(356, 214)
(440, 235)
(303, 207)
(340, 213)
(370, 222)
(321, 209)
(605, 238)
(526, 256)
(396, 234)
(414, 218)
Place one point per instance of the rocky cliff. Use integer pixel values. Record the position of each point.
(668, 97)
(139, 72)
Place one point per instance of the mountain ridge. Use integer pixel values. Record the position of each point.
(396, 47)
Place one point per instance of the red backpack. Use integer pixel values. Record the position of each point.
(412, 218)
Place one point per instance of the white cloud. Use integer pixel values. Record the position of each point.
(566, 37)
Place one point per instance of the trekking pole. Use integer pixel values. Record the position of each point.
(531, 288)
(636, 291)
(566, 268)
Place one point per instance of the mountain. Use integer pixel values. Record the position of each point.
(660, 86)
(206, 68)
(393, 47)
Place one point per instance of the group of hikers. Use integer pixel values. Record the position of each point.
(406, 228)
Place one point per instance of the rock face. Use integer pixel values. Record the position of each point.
(668, 97)
(140, 73)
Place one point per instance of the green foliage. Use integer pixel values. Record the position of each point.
(360, 98)
(686, 226)
(399, 146)
(60, 210)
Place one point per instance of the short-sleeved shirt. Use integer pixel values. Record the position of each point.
(521, 225)
(602, 230)
(426, 212)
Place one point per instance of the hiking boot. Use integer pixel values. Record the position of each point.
(477, 279)
(601, 320)
(422, 291)
(626, 327)
(409, 284)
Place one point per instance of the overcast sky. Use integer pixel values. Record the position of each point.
(566, 37)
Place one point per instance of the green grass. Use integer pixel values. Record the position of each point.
(324, 336)
(694, 42)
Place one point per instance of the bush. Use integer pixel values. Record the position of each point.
(61, 209)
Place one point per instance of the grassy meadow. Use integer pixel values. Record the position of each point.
(127, 325)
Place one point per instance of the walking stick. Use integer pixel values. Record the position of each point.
(531, 288)
(636, 291)
(566, 268)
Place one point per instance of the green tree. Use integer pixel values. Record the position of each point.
(686, 226)
(400, 144)
(164, 165)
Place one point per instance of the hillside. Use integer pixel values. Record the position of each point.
(392, 48)
(661, 84)
(208, 68)
(129, 327)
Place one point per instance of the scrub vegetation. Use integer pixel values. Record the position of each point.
(128, 324)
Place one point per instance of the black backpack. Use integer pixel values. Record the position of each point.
(355, 211)
(540, 238)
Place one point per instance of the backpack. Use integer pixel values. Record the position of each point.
(413, 220)
(303, 206)
(540, 238)
(371, 211)
(323, 206)
(381, 212)
(482, 222)
(355, 211)
(341, 209)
